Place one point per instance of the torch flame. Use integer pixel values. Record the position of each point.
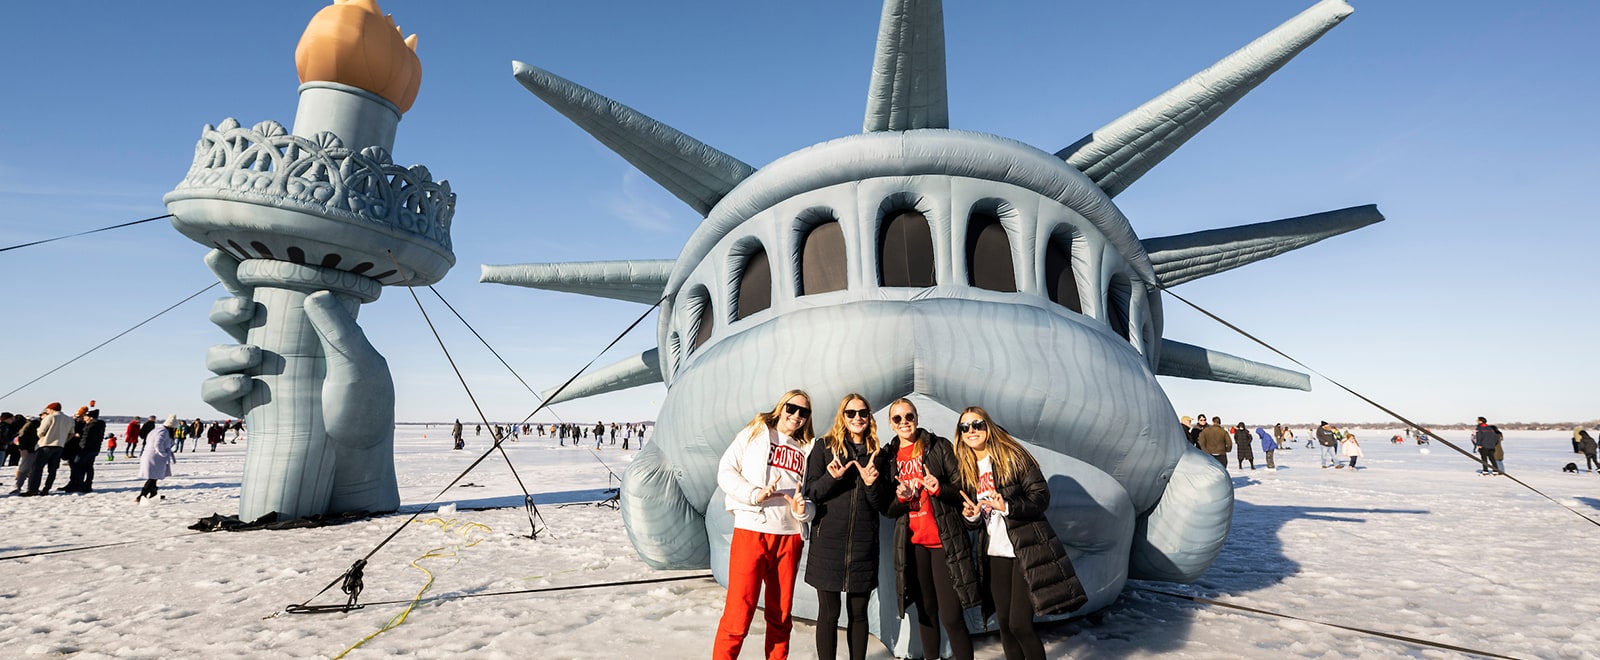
(354, 43)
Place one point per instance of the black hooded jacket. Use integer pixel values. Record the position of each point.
(1053, 584)
(93, 433)
(843, 553)
(939, 459)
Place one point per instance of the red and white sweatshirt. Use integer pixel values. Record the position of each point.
(757, 456)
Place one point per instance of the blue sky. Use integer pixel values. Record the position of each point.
(1466, 122)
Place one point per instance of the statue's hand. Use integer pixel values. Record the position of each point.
(358, 392)
(357, 409)
(226, 391)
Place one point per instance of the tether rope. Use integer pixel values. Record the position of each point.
(527, 498)
(496, 353)
(514, 373)
(119, 335)
(452, 552)
(1374, 404)
(1375, 633)
(42, 553)
(85, 233)
(356, 568)
(519, 592)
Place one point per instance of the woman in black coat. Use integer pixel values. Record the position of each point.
(1241, 442)
(843, 557)
(933, 565)
(1022, 562)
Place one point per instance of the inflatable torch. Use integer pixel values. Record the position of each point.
(306, 226)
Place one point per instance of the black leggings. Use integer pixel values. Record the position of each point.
(1589, 460)
(149, 489)
(828, 624)
(1013, 609)
(937, 601)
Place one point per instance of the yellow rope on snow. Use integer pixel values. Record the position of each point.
(465, 530)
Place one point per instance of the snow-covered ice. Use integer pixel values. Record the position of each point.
(1412, 544)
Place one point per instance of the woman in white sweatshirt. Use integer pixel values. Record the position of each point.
(761, 474)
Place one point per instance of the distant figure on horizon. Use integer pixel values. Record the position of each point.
(54, 428)
(156, 462)
(455, 433)
(1486, 438)
(130, 437)
(1586, 443)
(214, 435)
(1215, 440)
(27, 444)
(1499, 450)
(81, 477)
(1241, 439)
(1269, 444)
(1352, 449)
(1330, 445)
(1194, 431)
(9, 426)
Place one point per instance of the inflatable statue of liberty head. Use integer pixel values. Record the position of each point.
(950, 267)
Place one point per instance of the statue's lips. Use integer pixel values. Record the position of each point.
(1062, 382)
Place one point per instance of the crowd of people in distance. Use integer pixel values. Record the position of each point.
(1340, 449)
(38, 445)
(632, 433)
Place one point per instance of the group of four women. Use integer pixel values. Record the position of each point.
(970, 529)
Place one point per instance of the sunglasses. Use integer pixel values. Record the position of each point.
(791, 409)
(974, 425)
(852, 413)
(908, 418)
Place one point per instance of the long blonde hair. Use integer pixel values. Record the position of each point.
(1007, 456)
(770, 419)
(837, 435)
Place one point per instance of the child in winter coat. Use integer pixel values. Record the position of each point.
(1352, 449)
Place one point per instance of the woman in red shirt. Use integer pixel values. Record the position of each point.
(932, 555)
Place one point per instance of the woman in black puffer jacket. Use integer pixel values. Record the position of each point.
(932, 551)
(843, 559)
(1021, 561)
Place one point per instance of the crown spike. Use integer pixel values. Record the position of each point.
(688, 168)
(1117, 154)
(908, 89)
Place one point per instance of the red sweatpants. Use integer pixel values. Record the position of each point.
(754, 558)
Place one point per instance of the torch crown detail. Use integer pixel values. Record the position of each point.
(261, 193)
